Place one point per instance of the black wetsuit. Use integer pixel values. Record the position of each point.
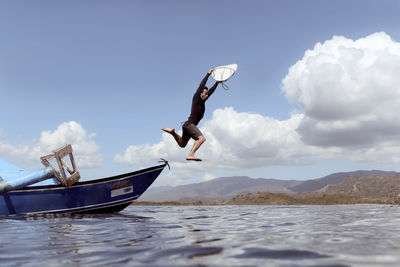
(198, 104)
(197, 112)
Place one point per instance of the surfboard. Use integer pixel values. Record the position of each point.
(223, 73)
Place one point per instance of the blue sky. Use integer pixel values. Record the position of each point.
(107, 75)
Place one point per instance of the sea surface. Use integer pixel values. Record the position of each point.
(342, 235)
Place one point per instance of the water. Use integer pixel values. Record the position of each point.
(351, 235)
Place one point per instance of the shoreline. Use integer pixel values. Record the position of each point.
(267, 198)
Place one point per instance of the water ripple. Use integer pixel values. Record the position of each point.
(290, 254)
(352, 235)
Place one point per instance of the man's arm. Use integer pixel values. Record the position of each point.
(203, 82)
(212, 89)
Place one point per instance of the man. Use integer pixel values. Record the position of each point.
(189, 128)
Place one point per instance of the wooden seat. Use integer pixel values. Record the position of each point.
(59, 173)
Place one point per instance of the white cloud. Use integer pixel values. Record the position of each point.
(349, 91)
(13, 151)
(208, 177)
(240, 140)
(234, 141)
(85, 149)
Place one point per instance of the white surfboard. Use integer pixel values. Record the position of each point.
(223, 73)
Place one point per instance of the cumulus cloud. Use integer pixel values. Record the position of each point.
(235, 140)
(85, 149)
(349, 91)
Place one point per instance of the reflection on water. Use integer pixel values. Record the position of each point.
(351, 235)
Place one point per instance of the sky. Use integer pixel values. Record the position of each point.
(317, 88)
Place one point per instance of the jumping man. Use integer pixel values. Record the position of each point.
(189, 128)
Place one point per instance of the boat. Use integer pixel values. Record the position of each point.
(106, 195)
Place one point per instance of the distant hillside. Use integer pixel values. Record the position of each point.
(335, 178)
(296, 199)
(225, 188)
(383, 187)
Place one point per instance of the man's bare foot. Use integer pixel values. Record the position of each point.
(192, 158)
(168, 130)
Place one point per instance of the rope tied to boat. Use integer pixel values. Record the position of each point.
(165, 162)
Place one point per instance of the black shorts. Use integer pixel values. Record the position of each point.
(190, 131)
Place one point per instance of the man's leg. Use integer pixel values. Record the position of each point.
(201, 139)
(178, 138)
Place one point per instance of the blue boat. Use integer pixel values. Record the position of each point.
(51, 191)
(105, 195)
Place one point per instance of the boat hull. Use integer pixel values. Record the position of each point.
(97, 196)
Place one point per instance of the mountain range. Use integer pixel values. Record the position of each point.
(225, 188)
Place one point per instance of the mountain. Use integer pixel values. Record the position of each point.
(267, 198)
(335, 178)
(382, 187)
(226, 188)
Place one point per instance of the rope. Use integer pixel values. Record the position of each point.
(165, 162)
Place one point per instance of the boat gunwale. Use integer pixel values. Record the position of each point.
(89, 182)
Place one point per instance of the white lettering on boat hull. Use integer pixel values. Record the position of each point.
(121, 188)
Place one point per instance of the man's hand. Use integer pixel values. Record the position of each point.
(211, 70)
